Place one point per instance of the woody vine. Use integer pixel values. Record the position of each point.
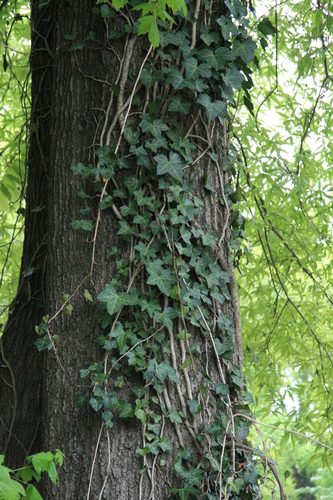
(171, 353)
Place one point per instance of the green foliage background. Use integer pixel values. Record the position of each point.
(284, 188)
(14, 116)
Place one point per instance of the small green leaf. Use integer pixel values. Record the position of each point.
(186, 363)
(244, 49)
(86, 225)
(174, 416)
(148, 25)
(108, 419)
(82, 400)
(88, 296)
(213, 109)
(177, 104)
(172, 166)
(44, 343)
(41, 461)
(286, 474)
(127, 411)
(111, 298)
(68, 310)
(194, 406)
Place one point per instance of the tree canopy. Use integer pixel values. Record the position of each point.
(280, 139)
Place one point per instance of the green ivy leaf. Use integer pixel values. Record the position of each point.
(194, 407)
(174, 416)
(108, 419)
(228, 28)
(127, 411)
(151, 307)
(155, 127)
(172, 166)
(207, 37)
(222, 389)
(82, 400)
(86, 225)
(213, 109)
(244, 49)
(164, 443)
(110, 297)
(148, 79)
(163, 278)
(233, 77)
(44, 343)
(166, 370)
(216, 58)
(177, 104)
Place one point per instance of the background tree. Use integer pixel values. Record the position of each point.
(145, 133)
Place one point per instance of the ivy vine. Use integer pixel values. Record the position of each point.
(169, 308)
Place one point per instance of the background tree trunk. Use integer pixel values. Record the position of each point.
(70, 93)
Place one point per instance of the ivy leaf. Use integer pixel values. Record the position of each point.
(155, 144)
(166, 370)
(86, 225)
(95, 403)
(207, 37)
(109, 399)
(112, 300)
(194, 407)
(108, 419)
(82, 400)
(174, 416)
(233, 77)
(117, 4)
(222, 389)
(172, 166)
(213, 109)
(150, 307)
(148, 79)
(162, 278)
(216, 59)
(243, 432)
(132, 137)
(155, 128)
(44, 343)
(178, 81)
(176, 104)
(125, 231)
(164, 442)
(131, 183)
(228, 28)
(127, 411)
(244, 50)
(190, 65)
(166, 316)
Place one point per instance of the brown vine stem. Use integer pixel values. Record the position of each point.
(194, 25)
(94, 461)
(229, 268)
(116, 151)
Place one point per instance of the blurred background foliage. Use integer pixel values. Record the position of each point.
(14, 124)
(282, 135)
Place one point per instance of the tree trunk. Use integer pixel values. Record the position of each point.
(71, 116)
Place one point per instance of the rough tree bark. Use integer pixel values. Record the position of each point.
(70, 93)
